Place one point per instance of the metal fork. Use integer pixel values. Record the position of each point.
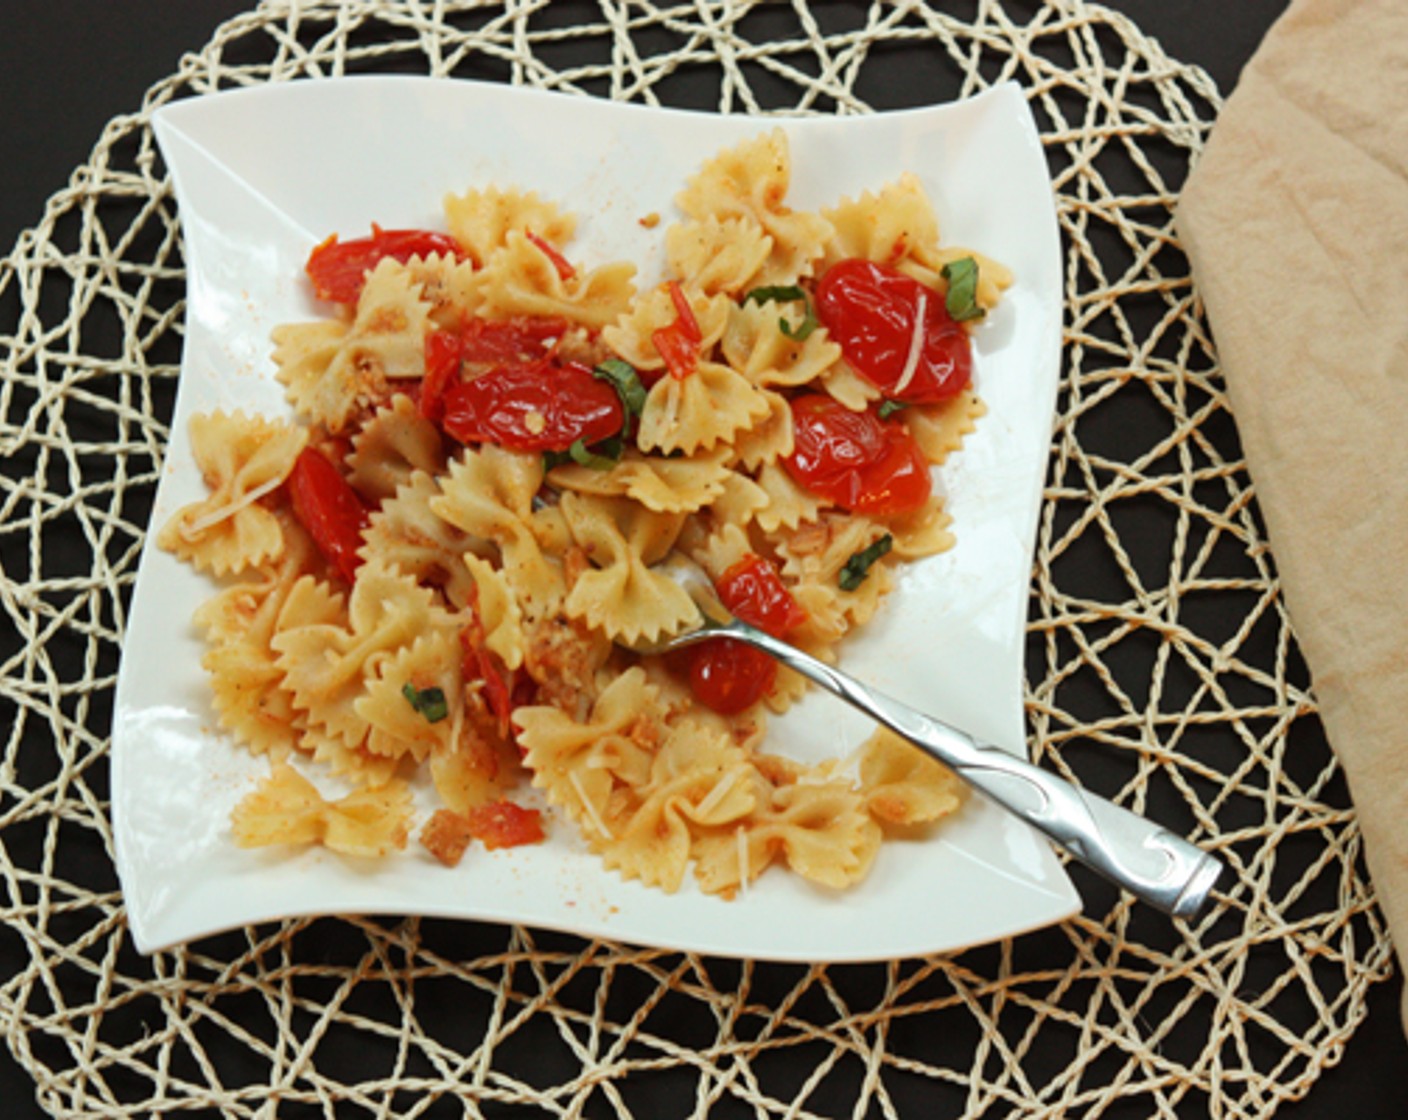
(1152, 863)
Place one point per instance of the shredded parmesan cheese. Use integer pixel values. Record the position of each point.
(916, 344)
(535, 422)
(588, 807)
(221, 513)
(456, 723)
(717, 794)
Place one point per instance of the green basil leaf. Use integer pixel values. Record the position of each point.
(804, 329)
(623, 378)
(888, 408)
(787, 293)
(429, 702)
(780, 292)
(600, 457)
(962, 298)
(853, 574)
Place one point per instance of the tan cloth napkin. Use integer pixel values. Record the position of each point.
(1296, 221)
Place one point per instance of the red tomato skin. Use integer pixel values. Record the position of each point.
(560, 264)
(503, 824)
(497, 693)
(899, 483)
(869, 310)
(478, 663)
(684, 314)
(680, 354)
(729, 676)
(509, 341)
(338, 269)
(754, 592)
(855, 459)
(495, 407)
(444, 352)
(678, 342)
(832, 445)
(327, 506)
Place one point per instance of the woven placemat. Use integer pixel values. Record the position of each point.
(1162, 668)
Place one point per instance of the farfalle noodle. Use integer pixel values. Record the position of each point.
(288, 809)
(903, 786)
(481, 220)
(890, 225)
(719, 255)
(241, 458)
(330, 371)
(755, 345)
(750, 182)
(328, 666)
(395, 444)
(632, 335)
(681, 485)
(578, 763)
(940, 429)
(699, 412)
(408, 535)
(396, 728)
(520, 279)
(620, 595)
(489, 493)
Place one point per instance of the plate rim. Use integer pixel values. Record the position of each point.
(1063, 900)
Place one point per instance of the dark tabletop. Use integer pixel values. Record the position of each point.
(66, 66)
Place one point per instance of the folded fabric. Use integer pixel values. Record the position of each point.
(1296, 222)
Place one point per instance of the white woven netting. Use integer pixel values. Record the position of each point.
(1162, 669)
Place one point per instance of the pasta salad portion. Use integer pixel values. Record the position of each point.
(438, 572)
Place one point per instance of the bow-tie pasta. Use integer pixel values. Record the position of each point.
(242, 460)
(444, 571)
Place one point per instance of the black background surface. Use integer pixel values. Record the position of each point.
(67, 66)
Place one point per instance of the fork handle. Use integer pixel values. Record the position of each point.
(1146, 859)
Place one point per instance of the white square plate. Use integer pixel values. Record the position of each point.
(264, 174)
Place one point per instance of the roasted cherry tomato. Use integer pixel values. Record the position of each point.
(729, 676)
(338, 269)
(872, 311)
(754, 592)
(855, 459)
(536, 406)
(522, 338)
(329, 509)
(444, 352)
(502, 824)
(479, 343)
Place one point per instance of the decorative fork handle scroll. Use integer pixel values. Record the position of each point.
(1149, 861)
